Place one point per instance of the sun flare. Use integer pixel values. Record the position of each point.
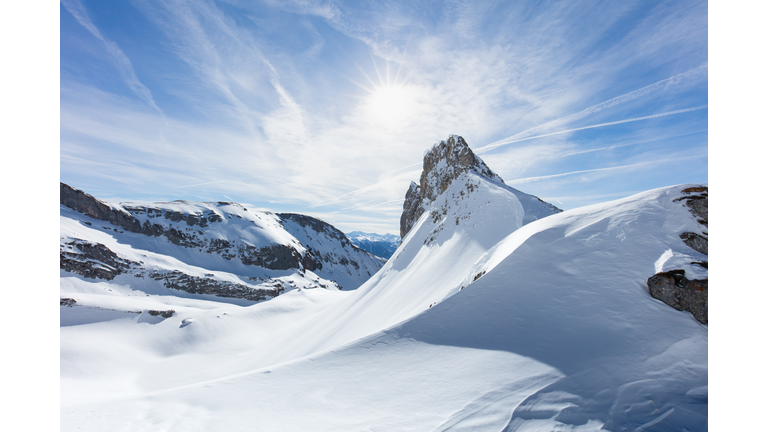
(390, 105)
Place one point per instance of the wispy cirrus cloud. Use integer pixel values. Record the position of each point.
(123, 64)
(594, 170)
(525, 137)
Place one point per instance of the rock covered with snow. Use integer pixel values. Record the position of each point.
(672, 287)
(221, 249)
(443, 164)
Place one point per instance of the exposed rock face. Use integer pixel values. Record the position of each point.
(696, 242)
(84, 203)
(698, 203)
(96, 261)
(446, 161)
(275, 257)
(411, 209)
(92, 260)
(201, 285)
(443, 164)
(674, 289)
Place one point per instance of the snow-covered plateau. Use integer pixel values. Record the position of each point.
(497, 312)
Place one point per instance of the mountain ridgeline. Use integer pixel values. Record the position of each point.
(219, 248)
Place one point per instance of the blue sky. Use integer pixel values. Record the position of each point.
(326, 107)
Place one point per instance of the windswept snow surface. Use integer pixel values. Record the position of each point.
(478, 322)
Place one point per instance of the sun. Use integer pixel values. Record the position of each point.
(390, 105)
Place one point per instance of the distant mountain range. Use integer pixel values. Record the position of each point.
(383, 245)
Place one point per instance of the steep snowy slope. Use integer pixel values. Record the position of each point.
(489, 316)
(468, 218)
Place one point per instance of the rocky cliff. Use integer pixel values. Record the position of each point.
(443, 164)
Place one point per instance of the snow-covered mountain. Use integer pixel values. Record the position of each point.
(383, 245)
(221, 249)
(497, 312)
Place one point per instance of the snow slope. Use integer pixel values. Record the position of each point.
(495, 313)
(558, 334)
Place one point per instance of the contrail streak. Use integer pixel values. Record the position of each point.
(607, 104)
(510, 140)
(548, 177)
(201, 184)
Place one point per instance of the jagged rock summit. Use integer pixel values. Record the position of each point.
(443, 164)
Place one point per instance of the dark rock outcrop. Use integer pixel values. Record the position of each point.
(68, 302)
(94, 260)
(696, 242)
(165, 314)
(412, 209)
(84, 203)
(275, 257)
(697, 200)
(200, 285)
(674, 289)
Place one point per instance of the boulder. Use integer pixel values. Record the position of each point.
(674, 289)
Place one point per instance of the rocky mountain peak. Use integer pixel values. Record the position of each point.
(443, 163)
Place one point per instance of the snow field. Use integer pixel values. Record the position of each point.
(480, 324)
